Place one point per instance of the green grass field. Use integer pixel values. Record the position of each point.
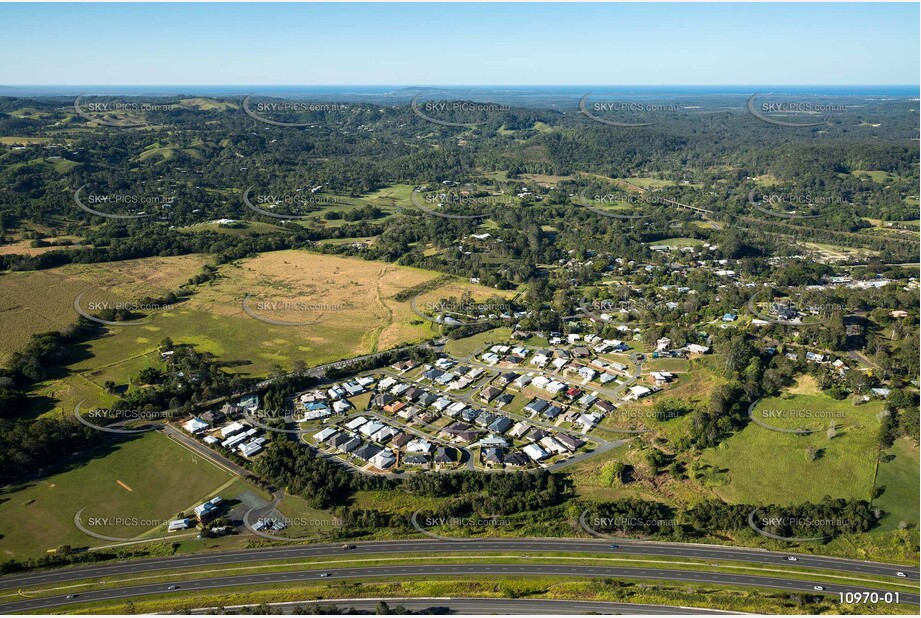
(146, 479)
(763, 466)
(469, 345)
(900, 480)
(305, 520)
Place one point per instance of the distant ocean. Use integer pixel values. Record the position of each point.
(515, 93)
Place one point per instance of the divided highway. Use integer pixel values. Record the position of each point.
(534, 547)
(452, 570)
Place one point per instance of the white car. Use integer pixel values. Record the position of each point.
(792, 558)
(900, 574)
(818, 587)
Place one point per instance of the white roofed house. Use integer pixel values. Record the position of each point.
(521, 381)
(662, 377)
(370, 428)
(325, 434)
(383, 459)
(195, 425)
(419, 445)
(355, 423)
(535, 452)
(552, 445)
(231, 429)
(386, 383)
(589, 420)
(637, 392)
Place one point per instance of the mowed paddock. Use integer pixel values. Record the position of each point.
(299, 306)
(123, 490)
(42, 300)
(316, 308)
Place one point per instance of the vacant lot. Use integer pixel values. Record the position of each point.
(39, 301)
(761, 466)
(899, 481)
(301, 306)
(128, 480)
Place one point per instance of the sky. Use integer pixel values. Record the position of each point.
(460, 44)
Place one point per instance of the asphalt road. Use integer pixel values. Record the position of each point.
(495, 606)
(450, 570)
(425, 547)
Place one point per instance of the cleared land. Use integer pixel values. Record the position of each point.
(760, 466)
(40, 516)
(302, 306)
(899, 480)
(39, 301)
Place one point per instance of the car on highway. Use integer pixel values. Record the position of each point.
(792, 558)
(324, 574)
(348, 546)
(818, 587)
(613, 546)
(72, 596)
(172, 587)
(900, 574)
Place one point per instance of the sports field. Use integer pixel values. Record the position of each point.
(141, 481)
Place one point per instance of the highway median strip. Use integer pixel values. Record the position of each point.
(310, 564)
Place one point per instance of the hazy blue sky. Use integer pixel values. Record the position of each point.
(439, 44)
